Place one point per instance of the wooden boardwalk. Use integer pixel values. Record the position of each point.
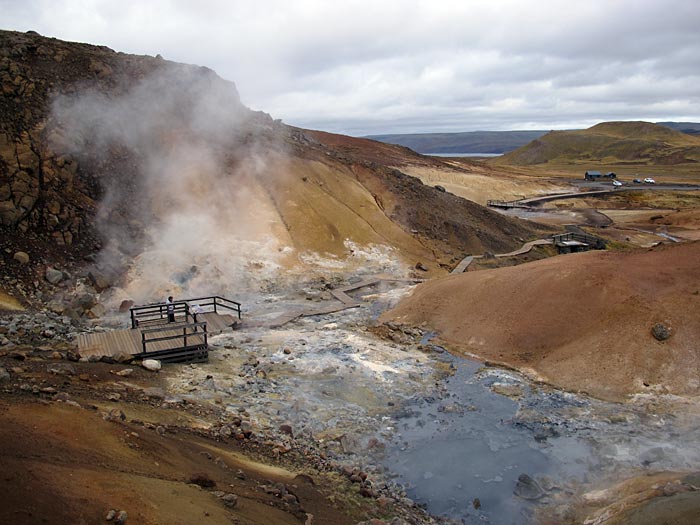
(130, 340)
(341, 295)
(525, 248)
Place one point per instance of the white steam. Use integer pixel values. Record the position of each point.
(185, 164)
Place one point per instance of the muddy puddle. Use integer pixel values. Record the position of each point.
(470, 443)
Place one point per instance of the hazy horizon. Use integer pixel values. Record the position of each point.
(367, 68)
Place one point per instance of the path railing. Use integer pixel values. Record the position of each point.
(591, 240)
(216, 304)
(506, 204)
(157, 313)
(172, 339)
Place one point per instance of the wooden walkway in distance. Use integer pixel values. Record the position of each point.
(129, 340)
(340, 294)
(525, 248)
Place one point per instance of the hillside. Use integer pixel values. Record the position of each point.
(582, 321)
(466, 142)
(634, 143)
(136, 164)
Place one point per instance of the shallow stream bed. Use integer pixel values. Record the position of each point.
(470, 443)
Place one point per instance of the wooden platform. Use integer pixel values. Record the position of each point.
(129, 341)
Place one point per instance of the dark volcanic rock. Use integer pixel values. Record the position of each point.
(528, 488)
(661, 332)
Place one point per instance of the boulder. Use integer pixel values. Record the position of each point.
(21, 257)
(4, 375)
(96, 311)
(230, 500)
(661, 332)
(9, 213)
(422, 267)
(151, 364)
(53, 276)
(56, 306)
(203, 480)
(85, 301)
(125, 305)
(100, 280)
(528, 488)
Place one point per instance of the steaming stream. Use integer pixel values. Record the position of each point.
(446, 429)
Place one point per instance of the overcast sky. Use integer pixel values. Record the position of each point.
(389, 66)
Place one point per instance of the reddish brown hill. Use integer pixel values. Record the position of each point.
(107, 151)
(580, 321)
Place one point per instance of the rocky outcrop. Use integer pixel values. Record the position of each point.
(49, 187)
(40, 191)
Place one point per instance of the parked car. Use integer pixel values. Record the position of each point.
(649, 180)
(617, 183)
(637, 181)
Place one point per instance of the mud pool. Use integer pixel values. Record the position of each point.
(470, 443)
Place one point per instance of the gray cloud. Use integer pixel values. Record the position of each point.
(404, 66)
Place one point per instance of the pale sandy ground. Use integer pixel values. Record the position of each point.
(480, 186)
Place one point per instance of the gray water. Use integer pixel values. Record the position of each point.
(466, 445)
(469, 442)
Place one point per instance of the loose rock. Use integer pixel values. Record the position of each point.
(230, 500)
(528, 488)
(151, 364)
(661, 332)
(21, 257)
(203, 480)
(53, 276)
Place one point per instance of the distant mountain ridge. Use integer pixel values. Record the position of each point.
(690, 128)
(610, 142)
(492, 142)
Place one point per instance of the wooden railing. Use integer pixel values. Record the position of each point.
(506, 204)
(591, 240)
(157, 313)
(214, 303)
(185, 337)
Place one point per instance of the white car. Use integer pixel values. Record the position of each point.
(617, 183)
(649, 180)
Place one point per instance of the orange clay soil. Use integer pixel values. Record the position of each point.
(61, 464)
(581, 321)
